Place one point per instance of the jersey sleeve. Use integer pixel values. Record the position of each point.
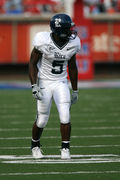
(75, 46)
(39, 40)
(78, 44)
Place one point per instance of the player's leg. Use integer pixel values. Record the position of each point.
(36, 134)
(43, 111)
(62, 100)
(65, 130)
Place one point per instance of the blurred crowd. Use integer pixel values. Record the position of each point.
(101, 6)
(56, 6)
(30, 6)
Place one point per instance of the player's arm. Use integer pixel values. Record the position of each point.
(73, 74)
(34, 58)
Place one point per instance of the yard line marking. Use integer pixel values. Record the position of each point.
(94, 128)
(26, 129)
(55, 137)
(49, 147)
(80, 121)
(72, 161)
(55, 129)
(58, 173)
(15, 129)
(55, 159)
(14, 147)
(14, 157)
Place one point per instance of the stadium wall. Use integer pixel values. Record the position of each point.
(16, 38)
(16, 34)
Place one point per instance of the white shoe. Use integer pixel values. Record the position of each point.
(65, 153)
(36, 153)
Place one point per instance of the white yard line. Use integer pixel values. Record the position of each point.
(55, 122)
(58, 173)
(16, 157)
(55, 129)
(55, 159)
(59, 161)
(79, 161)
(55, 137)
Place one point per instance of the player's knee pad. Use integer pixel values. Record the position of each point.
(64, 113)
(42, 120)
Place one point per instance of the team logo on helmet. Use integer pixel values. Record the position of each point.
(57, 22)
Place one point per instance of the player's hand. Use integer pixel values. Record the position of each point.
(74, 97)
(36, 91)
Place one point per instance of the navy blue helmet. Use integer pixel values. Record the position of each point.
(61, 25)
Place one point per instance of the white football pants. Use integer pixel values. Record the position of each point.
(59, 91)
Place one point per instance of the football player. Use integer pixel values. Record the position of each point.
(53, 52)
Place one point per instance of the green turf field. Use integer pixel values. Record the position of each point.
(95, 138)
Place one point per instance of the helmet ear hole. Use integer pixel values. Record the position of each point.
(61, 24)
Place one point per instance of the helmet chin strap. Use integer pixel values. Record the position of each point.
(71, 37)
(66, 37)
(63, 36)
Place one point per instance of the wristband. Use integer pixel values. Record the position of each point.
(76, 91)
(33, 85)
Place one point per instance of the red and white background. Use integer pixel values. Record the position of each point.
(100, 41)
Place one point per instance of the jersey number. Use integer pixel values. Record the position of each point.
(57, 67)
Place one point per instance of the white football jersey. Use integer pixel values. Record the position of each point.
(53, 65)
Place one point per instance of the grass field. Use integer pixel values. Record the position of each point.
(95, 138)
